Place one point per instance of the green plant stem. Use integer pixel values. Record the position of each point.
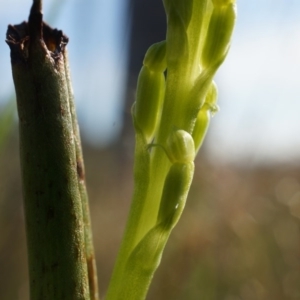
(52, 199)
(88, 236)
(141, 176)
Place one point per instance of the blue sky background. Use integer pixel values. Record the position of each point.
(259, 83)
(97, 49)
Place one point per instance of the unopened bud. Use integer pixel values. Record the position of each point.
(180, 147)
(201, 127)
(149, 98)
(175, 191)
(219, 33)
(155, 58)
(204, 115)
(212, 96)
(222, 2)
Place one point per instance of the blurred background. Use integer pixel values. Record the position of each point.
(239, 236)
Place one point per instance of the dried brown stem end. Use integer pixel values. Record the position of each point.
(20, 37)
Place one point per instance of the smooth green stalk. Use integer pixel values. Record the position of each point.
(163, 176)
(141, 179)
(149, 249)
(49, 162)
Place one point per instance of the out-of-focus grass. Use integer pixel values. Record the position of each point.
(238, 238)
(7, 113)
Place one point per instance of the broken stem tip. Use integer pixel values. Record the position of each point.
(35, 20)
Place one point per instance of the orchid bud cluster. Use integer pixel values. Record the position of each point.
(198, 40)
(175, 99)
(176, 95)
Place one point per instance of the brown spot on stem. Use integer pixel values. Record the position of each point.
(80, 170)
(92, 277)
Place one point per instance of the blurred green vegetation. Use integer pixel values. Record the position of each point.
(7, 112)
(238, 238)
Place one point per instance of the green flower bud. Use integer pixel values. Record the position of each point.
(200, 89)
(212, 96)
(222, 2)
(149, 98)
(201, 126)
(180, 147)
(219, 33)
(204, 115)
(211, 99)
(155, 58)
(174, 194)
(177, 40)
